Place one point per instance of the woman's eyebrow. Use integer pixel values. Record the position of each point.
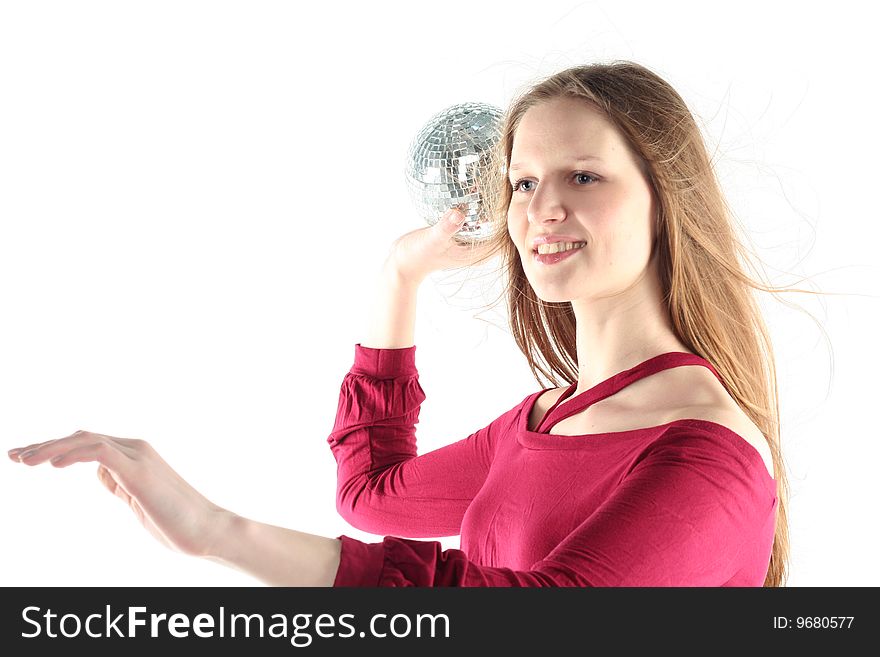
(579, 158)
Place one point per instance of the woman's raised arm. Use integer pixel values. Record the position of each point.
(413, 256)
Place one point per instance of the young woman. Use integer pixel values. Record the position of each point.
(658, 464)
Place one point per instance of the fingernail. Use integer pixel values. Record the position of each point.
(26, 454)
(55, 459)
(13, 452)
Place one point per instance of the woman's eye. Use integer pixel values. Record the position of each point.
(517, 186)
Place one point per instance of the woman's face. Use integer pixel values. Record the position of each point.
(605, 202)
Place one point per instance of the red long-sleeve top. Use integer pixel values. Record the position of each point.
(687, 503)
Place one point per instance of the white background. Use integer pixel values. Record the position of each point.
(195, 198)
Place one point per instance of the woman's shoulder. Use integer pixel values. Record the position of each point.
(696, 393)
(732, 417)
(718, 406)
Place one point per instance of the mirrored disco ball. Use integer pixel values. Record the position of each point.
(444, 163)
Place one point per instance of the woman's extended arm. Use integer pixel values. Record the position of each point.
(180, 517)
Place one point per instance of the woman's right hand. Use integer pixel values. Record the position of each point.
(417, 253)
(174, 512)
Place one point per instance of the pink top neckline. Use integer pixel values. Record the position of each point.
(542, 440)
(564, 407)
(614, 384)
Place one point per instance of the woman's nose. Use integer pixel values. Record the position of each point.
(546, 206)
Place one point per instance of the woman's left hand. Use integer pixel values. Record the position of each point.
(169, 508)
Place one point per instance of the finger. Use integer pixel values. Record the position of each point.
(16, 452)
(44, 451)
(106, 480)
(110, 483)
(33, 448)
(452, 220)
(102, 451)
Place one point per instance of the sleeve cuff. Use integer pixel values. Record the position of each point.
(384, 363)
(360, 564)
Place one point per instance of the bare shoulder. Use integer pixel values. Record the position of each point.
(730, 415)
(705, 398)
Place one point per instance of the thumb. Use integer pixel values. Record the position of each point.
(452, 220)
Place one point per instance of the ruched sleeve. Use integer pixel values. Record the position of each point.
(682, 515)
(383, 485)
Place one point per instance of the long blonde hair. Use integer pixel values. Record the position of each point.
(700, 258)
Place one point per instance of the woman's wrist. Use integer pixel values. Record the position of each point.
(397, 276)
(277, 556)
(221, 527)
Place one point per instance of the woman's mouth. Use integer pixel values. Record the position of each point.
(569, 249)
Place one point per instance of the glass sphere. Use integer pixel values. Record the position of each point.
(445, 162)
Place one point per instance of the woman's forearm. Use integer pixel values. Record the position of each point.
(393, 320)
(275, 555)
